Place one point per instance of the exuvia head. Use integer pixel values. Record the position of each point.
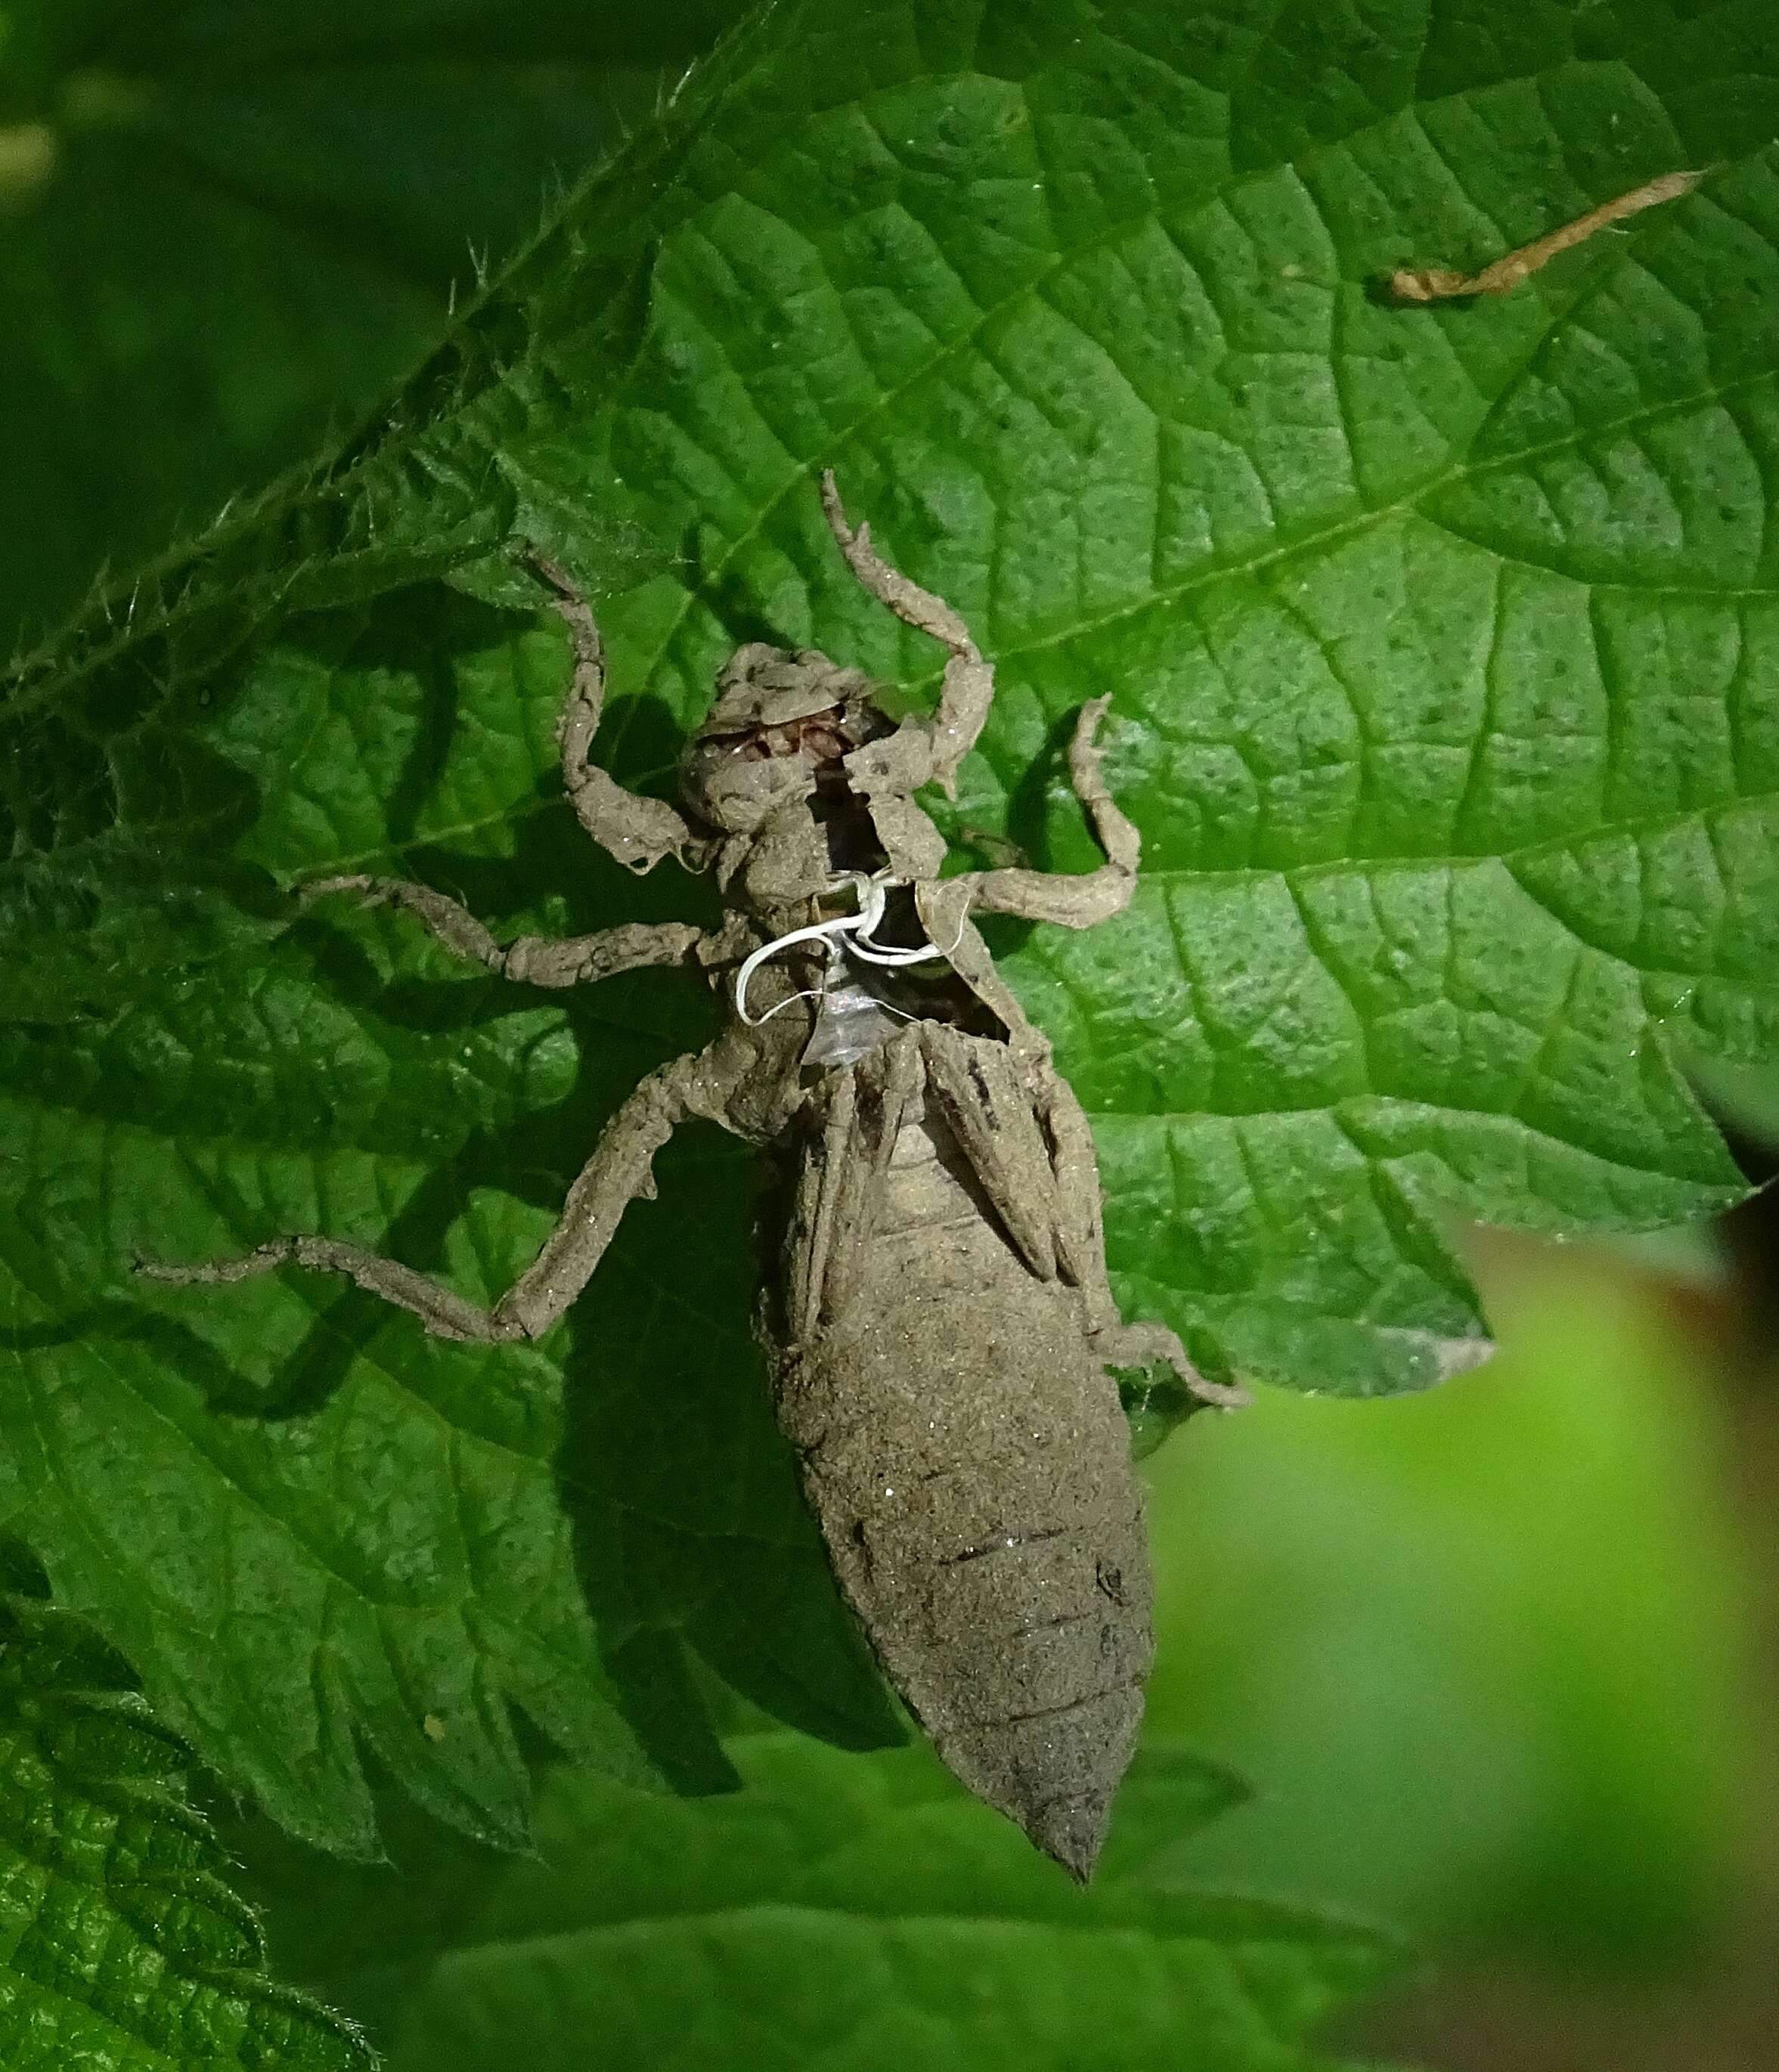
(781, 721)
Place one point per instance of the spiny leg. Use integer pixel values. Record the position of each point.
(531, 959)
(621, 1169)
(445, 1314)
(968, 689)
(1083, 901)
(638, 832)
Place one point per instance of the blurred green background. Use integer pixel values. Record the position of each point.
(1497, 1660)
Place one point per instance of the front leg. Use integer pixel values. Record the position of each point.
(1094, 896)
(621, 1169)
(531, 960)
(920, 751)
(638, 832)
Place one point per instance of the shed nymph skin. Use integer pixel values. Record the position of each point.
(940, 1323)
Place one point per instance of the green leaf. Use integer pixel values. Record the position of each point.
(122, 1947)
(296, 1518)
(228, 228)
(835, 1912)
(1442, 648)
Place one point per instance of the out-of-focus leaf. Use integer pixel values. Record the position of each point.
(1489, 1650)
(835, 1914)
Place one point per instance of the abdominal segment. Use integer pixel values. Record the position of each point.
(968, 1459)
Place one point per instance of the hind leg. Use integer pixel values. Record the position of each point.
(621, 1169)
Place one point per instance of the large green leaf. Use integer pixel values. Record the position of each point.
(229, 226)
(122, 1947)
(1442, 647)
(835, 1914)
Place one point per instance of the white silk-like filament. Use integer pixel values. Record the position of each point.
(854, 929)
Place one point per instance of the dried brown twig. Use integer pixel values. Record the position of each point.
(1438, 284)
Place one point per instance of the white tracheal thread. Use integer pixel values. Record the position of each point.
(854, 930)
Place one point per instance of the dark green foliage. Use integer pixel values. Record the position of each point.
(123, 1947)
(1446, 678)
(227, 227)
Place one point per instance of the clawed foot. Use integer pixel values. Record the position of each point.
(1142, 1345)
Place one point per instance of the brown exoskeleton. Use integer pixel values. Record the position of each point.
(943, 1328)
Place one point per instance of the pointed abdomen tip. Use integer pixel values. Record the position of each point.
(1072, 1831)
(1055, 1774)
